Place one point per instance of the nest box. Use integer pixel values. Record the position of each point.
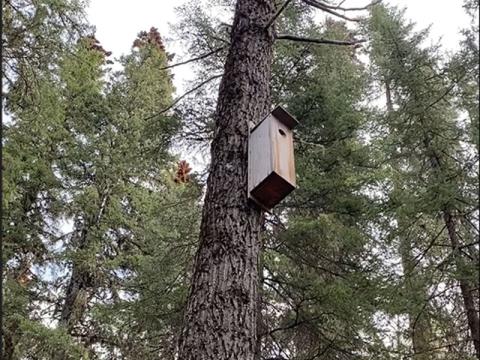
(271, 165)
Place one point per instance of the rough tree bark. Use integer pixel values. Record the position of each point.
(221, 314)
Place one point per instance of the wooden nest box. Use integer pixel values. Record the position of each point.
(271, 165)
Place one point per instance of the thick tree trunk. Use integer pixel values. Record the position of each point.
(465, 286)
(221, 315)
(76, 298)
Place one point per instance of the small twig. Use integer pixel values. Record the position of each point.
(319, 40)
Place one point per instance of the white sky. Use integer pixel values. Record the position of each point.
(119, 21)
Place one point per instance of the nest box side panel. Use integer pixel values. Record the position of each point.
(282, 147)
(260, 163)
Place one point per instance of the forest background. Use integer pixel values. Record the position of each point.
(375, 256)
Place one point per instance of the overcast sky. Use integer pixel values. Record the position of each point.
(118, 22)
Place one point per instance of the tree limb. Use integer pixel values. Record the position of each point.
(277, 14)
(339, 6)
(319, 40)
(327, 9)
(181, 97)
(203, 56)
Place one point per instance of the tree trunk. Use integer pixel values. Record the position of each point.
(9, 343)
(76, 297)
(465, 288)
(82, 282)
(419, 323)
(221, 314)
(418, 317)
(388, 94)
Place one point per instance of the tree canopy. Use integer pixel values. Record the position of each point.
(107, 253)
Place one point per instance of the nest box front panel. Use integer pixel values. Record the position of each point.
(282, 148)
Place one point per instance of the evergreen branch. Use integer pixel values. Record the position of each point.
(181, 97)
(203, 56)
(419, 257)
(277, 14)
(319, 40)
(296, 323)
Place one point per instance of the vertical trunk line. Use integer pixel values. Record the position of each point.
(465, 288)
(419, 325)
(388, 94)
(221, 313)
(260, 323)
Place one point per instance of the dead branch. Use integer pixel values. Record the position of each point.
(277, 14)
(181, 97)
(203, 56)
(339, 6)
(329, 10)
(319, 40)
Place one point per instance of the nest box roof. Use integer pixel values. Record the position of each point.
(284, 117)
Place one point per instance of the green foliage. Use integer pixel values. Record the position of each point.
(431, 164)
(320, 287)
(89, 151)
(99, 239)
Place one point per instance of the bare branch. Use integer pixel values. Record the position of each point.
(327, 9)
(319, 40)
(277, 14)
(181, 97)
(203, 56)
(339, 6)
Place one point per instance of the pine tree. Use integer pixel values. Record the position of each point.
(222, 308)
(34, 38)
(91, 151)
(317, 245)
(425, 139)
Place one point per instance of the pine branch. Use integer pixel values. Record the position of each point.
(319, 40)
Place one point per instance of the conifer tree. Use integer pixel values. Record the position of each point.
(99, 196)
(425, 140)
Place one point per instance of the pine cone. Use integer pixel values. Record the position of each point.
(182, 172)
